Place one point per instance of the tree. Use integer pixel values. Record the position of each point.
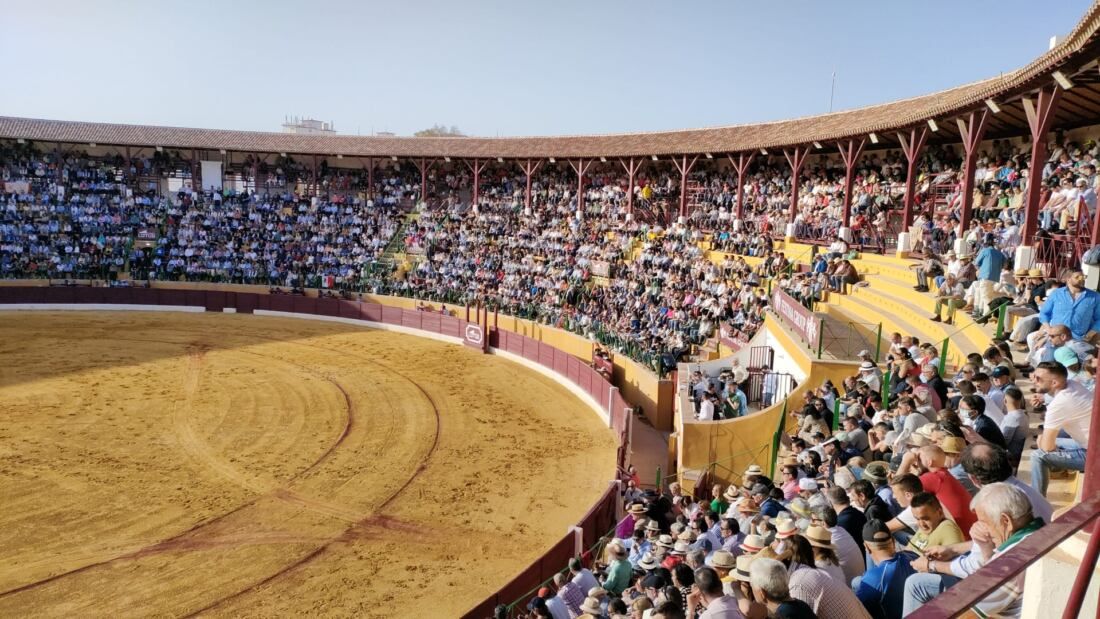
(440, 131)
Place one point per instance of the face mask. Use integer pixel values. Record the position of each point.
(967, 421)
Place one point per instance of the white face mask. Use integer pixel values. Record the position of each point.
(966, 420)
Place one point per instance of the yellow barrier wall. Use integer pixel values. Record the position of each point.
(728, 447)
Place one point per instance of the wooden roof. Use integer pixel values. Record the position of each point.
(1078, 50)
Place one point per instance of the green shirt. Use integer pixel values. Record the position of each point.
(618, 577)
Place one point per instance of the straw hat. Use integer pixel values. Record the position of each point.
(616, 548)
(799, 508)
(785, 529)
(1035, 273)
(648, 562)
(748, 507)
(744, 562)
(819, 536)
(753, 544)
(723, 559)
(637, 509)
(953, 445)
(876, 471)
(665, 541)
(686, 536)
(681, 548)
(731, 493)
(652, 526)
(591, 606)
(753, 470)
(917, 439)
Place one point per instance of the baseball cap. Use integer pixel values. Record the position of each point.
(876, 531)
(999, 372)
(1065, 356)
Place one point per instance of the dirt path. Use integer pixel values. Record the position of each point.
(180, 464)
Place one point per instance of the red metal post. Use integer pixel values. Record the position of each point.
(476, 168)
(57, 153)
(1091, 484)
(581, 168)
(1040, 117)
(370, 178)
(971, 129)
(316, 189)
(529, 169)
(741, 165)
(631, 168)
(796, 157)
(684, 168)
(913, 147)
(256, 175)
(1084, 575)
(195, 173)
(849, 152)
(424, 166)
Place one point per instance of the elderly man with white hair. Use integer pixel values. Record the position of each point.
(1005, 519)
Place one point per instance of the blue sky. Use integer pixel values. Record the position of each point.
(501, 68)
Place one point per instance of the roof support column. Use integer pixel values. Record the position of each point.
(255, 175)
(476, 167)
(1040, 117)
(849, 152)
(370, 178)
(971, 130)
(581, 168)
(684, 166)
(424, 166)
(529, 169)
(196, 174)
(796, 158)
(741, 165)
(57, 154)
(316, 189)
(126, 167)
(632, 166)
(913, 147)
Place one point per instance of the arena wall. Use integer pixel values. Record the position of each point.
(723, 450)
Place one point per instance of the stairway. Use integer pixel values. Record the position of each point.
(396, 245)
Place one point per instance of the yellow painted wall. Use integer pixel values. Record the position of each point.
(730, 446)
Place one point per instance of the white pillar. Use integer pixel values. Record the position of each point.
(846, 234)
(1025, 257)
(789, 232)
(904, 245)
(737, 223)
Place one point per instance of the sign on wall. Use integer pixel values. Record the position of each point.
(804, 322)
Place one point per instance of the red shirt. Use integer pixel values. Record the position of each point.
(952, 495)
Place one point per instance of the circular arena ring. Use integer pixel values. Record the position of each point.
(172, 464)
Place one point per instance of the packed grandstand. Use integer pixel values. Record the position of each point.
(886, 488)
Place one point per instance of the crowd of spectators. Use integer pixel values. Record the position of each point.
(913, 492)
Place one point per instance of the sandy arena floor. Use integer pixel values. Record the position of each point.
(175, 464)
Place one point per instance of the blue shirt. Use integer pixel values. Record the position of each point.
(882, 588)
(990, 262)
(1081, 315)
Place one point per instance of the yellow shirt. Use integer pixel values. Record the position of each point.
(944, 535)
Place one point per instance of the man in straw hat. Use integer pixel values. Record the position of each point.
(634, 513)
(617, 578)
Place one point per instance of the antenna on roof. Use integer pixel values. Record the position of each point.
(832, 93)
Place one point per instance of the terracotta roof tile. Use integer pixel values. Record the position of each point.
(827, 127)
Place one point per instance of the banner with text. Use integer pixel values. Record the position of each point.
(804, 322)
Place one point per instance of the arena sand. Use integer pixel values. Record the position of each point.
(225, 465)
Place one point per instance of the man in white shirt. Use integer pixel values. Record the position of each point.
(1070, 409)
(706, 408)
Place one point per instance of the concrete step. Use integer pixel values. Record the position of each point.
(979, 336)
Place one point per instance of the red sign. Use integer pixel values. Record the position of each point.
(804, 322)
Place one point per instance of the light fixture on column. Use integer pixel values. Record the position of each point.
(874, 138)
(447, 159)
(654, 157)
(764, 151)
(709, 156)
(603, 159)
(933, 126)
(818, 145)
(552, 160)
